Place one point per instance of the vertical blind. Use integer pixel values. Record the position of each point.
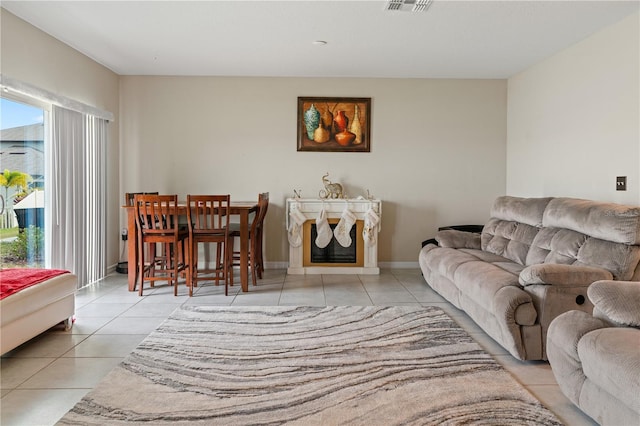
(78, 193)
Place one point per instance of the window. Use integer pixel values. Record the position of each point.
(68, 180)
(23, 145)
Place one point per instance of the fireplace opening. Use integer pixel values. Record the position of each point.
(333, 255)
(334, 252)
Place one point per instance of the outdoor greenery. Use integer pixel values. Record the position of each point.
(8, 233)
(12, 179)
(25, 250)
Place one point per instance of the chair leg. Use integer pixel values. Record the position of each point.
(182, 263)
(175, 262)
(225, 268)
(192, 266)
(172, 266)
(186, 261)
(231, 250)
(194, 275)
(230, 262)
(141, 266)
(152, 256)
(252, 261)
(259, 261)
(220, 271)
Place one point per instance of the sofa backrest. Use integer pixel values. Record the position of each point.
(589, 233)
(513, 226)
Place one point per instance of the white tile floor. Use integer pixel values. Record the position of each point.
(45, 377)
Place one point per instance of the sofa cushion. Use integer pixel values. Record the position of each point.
(568, 247)
(476, 273)
(555, 245)
(610, 358)
(509, 239)
(494, 259)
(522, 210)
(514, 268)
(445, 261)
(616, 301)
(606, 221)
(481, 281)
(513, 226)
(485, 256)
(458, 239)
(620, 259)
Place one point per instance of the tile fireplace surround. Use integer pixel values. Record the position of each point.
(310, 208)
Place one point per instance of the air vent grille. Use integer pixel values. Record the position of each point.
(421, 5)
(408, 5)
(394, 4)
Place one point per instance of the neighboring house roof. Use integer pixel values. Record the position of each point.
(25, 159)
(22, 149)
(32, 132)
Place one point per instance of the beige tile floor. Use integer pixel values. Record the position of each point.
(42, 379)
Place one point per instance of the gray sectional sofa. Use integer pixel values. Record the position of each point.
(596, 359)
(533, 261)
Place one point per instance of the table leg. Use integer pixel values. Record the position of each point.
(244, 250)
(132, 258)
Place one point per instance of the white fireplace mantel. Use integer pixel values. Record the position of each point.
(310, 208)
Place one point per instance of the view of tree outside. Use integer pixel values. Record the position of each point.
(21, 185)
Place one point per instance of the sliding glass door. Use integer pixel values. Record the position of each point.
(23, 142)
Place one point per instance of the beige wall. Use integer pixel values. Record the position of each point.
(33, 57)
(437, 148)
(574, 120)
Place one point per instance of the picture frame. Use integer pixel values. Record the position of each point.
(334, 124)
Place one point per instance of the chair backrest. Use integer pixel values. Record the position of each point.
(208, 214)
(129, 197)
(263, 206)
(156, 214)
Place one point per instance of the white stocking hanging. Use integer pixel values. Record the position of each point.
(295, 228)
(343, 229)
(371, 220)
(324, 230)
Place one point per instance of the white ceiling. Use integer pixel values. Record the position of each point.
(452, 39)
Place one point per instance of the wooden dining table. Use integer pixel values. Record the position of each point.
(237, 208)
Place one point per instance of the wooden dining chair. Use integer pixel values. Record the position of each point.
(128, 201)
(157, 224)
(256, 262)
(208, 221)
(129, 196)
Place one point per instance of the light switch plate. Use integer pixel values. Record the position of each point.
(621, 183)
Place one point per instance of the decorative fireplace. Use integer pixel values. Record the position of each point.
(357, 258)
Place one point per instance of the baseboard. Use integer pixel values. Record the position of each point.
(276, 265)
(386, 265)
(284, 265)
(399, 265)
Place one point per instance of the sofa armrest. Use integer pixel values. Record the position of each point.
(568, 328)
(458, 239)
(563, 336)
(562, 275)
(616, 301)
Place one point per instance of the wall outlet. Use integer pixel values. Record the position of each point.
(124, 233)
(621, 183)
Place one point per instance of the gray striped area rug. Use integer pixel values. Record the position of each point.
(338, 365)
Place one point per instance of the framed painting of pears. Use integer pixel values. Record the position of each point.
(334, 124)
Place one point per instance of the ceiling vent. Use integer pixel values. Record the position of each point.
(408, 5)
